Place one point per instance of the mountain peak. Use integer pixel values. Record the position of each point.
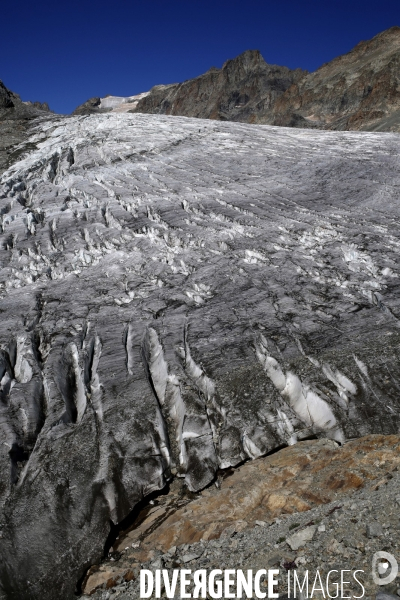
(357, 90)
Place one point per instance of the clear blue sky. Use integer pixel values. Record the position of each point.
(67, 52)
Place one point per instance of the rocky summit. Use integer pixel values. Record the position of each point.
(356, 91)
(179, 296)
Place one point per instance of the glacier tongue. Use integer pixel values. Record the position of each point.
(177, 296)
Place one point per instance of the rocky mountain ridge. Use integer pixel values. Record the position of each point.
(244, 90)
(244, 86)
(359, 90)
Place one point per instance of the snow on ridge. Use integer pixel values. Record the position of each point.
(122, 103)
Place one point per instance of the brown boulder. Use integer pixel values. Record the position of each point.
(294, 479)
(105, 578)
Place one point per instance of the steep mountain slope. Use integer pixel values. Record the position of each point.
(357, 91)
(15, 118)
(179, 295)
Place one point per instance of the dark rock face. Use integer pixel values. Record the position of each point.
(179, 295)
(12, 107)
(357, 91)
(245, 89)
(5, 97)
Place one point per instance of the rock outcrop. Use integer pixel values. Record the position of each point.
(293, 480)
(89, 107)
(178, 296)
(261, 493)
(318, 543)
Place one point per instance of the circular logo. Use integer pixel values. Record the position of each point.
(384, 568)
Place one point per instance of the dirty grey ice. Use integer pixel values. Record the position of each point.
(177, 296)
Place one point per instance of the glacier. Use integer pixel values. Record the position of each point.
(178, 296)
